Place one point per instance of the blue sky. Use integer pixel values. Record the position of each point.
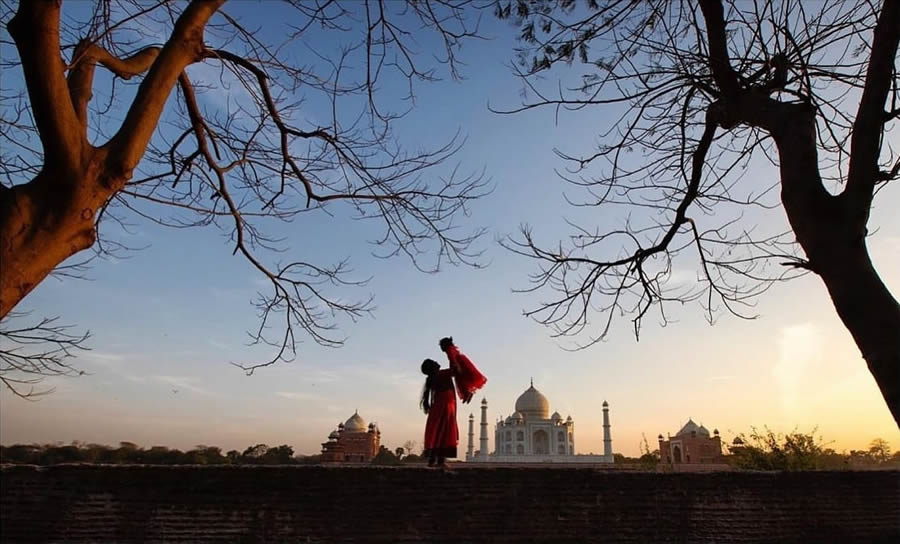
(171, 317)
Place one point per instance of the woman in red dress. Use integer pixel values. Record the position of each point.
(439, 401)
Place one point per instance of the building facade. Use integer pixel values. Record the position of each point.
(352, 442)
(532, 435)
(690, 445)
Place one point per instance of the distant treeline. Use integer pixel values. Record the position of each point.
(130, 453)
(760, 450)
(767, 450)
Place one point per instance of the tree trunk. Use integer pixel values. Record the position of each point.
(831, 229)
(43, 223)
(871, 314)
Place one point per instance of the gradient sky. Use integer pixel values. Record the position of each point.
(172, 316)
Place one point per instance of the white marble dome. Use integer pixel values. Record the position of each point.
(355, 424)
(532, 404)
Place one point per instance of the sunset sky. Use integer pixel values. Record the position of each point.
(166, 322)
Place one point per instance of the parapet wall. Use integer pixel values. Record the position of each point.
(287, 504)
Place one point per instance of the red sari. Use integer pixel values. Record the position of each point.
(441, 432)
(468, 378)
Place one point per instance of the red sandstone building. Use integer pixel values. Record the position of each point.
(352, 442)
(692, 444)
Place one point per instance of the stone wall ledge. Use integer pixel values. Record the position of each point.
(564, 503)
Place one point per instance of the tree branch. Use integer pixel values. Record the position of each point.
(865, 143)
(627, 272)
(184, 47)
(721, 68)
(32, 352)
(35, 29)
(81, 72)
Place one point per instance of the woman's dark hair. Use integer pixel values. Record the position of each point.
(446, 342)
(430, 368)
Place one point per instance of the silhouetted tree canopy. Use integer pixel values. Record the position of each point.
(386, 457)
(89, 138)
(719, 111)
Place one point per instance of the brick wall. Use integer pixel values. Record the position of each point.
(84, 503)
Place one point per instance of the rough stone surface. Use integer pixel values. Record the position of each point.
(288, 504)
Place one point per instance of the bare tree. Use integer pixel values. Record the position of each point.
(30, 353)
(301, 130)
(698, 92)
(411, 447)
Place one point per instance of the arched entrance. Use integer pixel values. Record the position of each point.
(541, 443)
(676, 454)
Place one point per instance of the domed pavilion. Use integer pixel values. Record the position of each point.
(533, 434)
(354, 441)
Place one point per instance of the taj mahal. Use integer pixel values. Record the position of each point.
(532, 435)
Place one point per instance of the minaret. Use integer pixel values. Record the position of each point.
(607, 439)
(483, 442)
(469, 451)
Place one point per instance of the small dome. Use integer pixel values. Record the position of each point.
(660, 436)
(355, 423)
(532, 404)
(517, 417)
(737, 441)
(334, 435)
(716, 432)
(689, 427)
(605, 404)
(556, 416)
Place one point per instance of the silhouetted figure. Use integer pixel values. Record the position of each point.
(439, 402)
